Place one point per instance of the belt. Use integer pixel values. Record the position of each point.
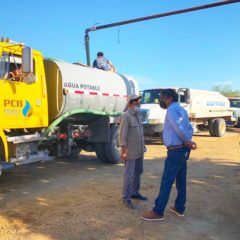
(175, 147)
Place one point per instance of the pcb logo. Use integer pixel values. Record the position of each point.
(27, 109)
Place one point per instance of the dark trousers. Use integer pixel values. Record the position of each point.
(132, 177)
(175, 168)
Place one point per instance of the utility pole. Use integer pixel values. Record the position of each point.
(192, 9)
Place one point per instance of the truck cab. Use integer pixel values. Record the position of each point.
(235, 108)
(23, 98)
(152, 115)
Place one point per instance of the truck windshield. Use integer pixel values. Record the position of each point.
(9, 63)
(235, 103)
(151, 96)
(3, 66)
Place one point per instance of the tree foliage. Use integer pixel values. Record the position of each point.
(226, 90)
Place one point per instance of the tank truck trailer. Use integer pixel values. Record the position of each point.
(56, 108)
(207, 110)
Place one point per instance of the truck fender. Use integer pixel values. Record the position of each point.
(3, 146)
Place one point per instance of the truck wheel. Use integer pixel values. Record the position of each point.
(112, 148)
(219, 127)
(211, 127)
(75, 152)
(0, 167)
(238, 123)
(201, 127)
(100, 152)
(1, 156)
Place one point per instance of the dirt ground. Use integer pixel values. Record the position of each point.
(81, 199)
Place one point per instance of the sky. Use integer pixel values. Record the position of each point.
(195, 50)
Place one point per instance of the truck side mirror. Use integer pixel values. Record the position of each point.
(27, 60)
(27, 66)
(187, 96)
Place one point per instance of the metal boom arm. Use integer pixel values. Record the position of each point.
(217, 4)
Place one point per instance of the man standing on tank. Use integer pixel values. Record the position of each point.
(132, 151)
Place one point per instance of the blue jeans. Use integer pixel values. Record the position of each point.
(175, 168)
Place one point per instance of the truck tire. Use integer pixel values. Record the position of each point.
(219, 127)
(201, 127)
(211, 127)
(75, 152)
(1, 168)
(100, 152)
(1, 156)
(238, 123)
(112, 148)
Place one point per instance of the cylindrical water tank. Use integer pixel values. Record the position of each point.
(72, 86)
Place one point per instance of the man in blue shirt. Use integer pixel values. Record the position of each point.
(177, 135)
(103, 63)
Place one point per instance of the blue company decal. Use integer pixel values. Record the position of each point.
(26, 108)
(215, 103)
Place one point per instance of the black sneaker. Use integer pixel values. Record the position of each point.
(128, 204)
(139, 197)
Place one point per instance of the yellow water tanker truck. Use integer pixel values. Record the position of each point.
(54, 108)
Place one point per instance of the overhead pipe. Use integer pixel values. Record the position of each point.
(197, 8)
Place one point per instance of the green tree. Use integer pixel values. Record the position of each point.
(226, 90)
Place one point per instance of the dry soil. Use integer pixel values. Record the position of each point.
(81, 198)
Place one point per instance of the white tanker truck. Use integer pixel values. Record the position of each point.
(206, 110)
(57, 107)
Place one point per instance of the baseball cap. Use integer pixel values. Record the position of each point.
(133, 97)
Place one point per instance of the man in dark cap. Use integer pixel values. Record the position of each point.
(103, 63)
(132, 151)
